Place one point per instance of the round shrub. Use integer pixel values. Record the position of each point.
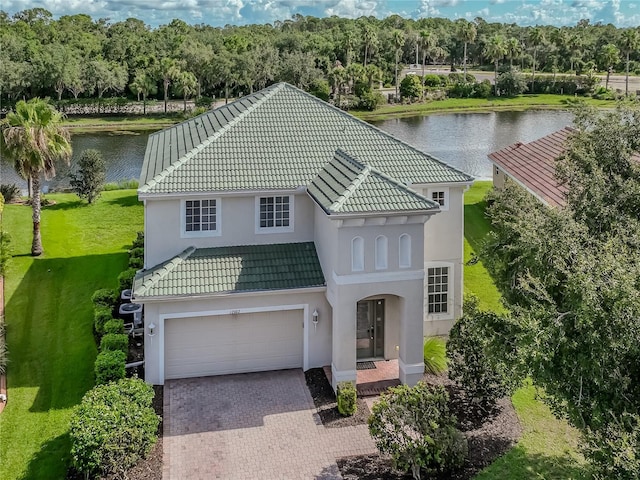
(414, 426)
(101, 316)
(106, 297)
(139, 241)
(431, 80)
(136, 263)
(125, 279)
(115, 325)
(137, 252)
(435, 355)
(109, 366)
(347, 399)
(113, 428)
(115, 342)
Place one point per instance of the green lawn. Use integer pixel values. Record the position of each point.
(49, 322)
(547, 449)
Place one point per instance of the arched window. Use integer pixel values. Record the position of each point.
(404, 254)
(381, 252)
(357, 254)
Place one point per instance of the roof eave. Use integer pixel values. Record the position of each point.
(241, 293)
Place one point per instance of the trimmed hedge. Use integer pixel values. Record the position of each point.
(347, 397)
(109, 366)
(137, 252)
(125, 279)
(117, 342)
(101, 316)
(136, 263)
(115, 325)
(113, 428)
(106, 297)
(139, 241)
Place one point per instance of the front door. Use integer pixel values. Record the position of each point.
(370, 329)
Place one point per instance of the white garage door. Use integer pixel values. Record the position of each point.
(222, 344)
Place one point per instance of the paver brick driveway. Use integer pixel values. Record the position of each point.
(251, 426)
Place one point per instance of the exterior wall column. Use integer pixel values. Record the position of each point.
(343, 355)
(411, 356)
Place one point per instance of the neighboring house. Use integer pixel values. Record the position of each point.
(281, 232)
(533, 166)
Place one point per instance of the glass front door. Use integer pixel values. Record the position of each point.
(370, 329)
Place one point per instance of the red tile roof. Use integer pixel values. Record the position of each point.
(532, 165)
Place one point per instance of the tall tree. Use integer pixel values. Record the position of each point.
(536, 38)
(630, 43)
(514, 50)
(467, 34)
(496, 49)
(168, 70)
(398, 42)
(143, 84)
(610, 56)
(186, 84)
(33, 138)
(428, 41)
(370, 38)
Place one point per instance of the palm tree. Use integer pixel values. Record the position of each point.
(428, 41)
(169, 70)
(370, 39)
(514, 50)
(630, 42)
(187, 85)
(398, 43)
(466, 33)
(496, 49)
(34, 139)
(536, 37)
(610, 56)
(143, 84)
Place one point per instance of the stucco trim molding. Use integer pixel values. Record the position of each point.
(378, 277)
(410, 368)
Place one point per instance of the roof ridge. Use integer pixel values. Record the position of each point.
(168, 267)
(198, 148)
(355, 184)
(355, 119)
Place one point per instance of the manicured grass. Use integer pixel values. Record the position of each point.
(547, 449)
(123, 124)
(49, 322)
(522, 102)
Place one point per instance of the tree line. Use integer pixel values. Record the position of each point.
(76, 56)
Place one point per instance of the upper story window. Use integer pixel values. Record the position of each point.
(275, 214)
(440, 195)
(201, 217)
(381, 252)
(404, 251)
(438, 290)
(357, 254)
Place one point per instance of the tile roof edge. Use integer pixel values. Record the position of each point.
(166, 268)
(198, 148)
(355, 119)
(353, 186)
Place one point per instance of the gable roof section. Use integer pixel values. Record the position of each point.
(209, 271)
(346, 186)
(532, 165)
(278, 138)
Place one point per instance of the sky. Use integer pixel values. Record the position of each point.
(621, 13)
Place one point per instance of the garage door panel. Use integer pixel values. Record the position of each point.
(218, 345)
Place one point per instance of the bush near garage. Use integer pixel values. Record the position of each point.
(115, 325)
(110, 366)
(115, 342)
(347, 399)
(101, 316)
(113, 428)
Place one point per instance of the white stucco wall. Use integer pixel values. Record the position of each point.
(499, 177)
(163, 226)
(317, 340)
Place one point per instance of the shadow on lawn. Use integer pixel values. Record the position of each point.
(128, 201)
(517, 463)
(51, 461)
(476, 225)
(50, 327)
(67, 205)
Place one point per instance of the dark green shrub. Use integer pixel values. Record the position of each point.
(461, 90)
(139, 241)
(115, 342)
(511, 83)
(10, 192)
(136, 263)
(414, 426)
(113, 428)
(321, 89)
(204, 102)
(106, 297)
(3, 351)
(435, 355)
(101, 315)
(347, 399)
(432, 80)
(137, 252)
(109, 366)
(479, 357)
(115, 325)
(370, 101)
(613, 449)
(125, 279)
(411, 87)
(5, 251)
(483, 89)
(88, 180)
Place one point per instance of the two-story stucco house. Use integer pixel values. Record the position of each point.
(281, 232)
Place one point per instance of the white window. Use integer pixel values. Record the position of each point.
(381, 252)
(201, 217)
(438, 290)
(357, 254)
(404, 251)
(274, 214)
(440, 195)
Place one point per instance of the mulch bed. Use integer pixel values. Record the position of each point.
(489, 435)
(325, 402)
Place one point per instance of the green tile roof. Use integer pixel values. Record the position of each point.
(275, 139)
(207, 271)
(345, 186)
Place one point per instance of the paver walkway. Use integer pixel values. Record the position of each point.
(252, 426)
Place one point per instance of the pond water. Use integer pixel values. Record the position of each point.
(461, 139)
